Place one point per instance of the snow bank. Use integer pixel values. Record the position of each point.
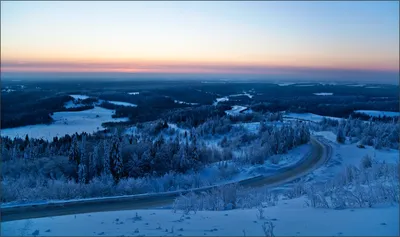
(377, 113)
(291, 218)
(65, 123)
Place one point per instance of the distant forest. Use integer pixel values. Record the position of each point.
(37, 101)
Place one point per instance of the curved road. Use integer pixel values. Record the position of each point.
(319, 155)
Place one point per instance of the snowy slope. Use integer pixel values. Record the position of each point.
(65, 123)
(349, 154)
(290, 217)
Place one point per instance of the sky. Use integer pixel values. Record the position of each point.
(314, 38)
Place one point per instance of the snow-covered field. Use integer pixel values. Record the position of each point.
(357, 85)
(373, 87)
(7, 90)
(65, 123)
(235, 110)
(121, 103)
(79, 97)
(183, 102)
(243, 94)
(222, 99)
(75, 103)
(307, 116)
(286, 84)
(323, 93)
(377, 113)
(303, 85)
(290, 218)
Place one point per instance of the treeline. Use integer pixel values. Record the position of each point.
(335, 107)
(273, 140)
(366, 117)
(32, 110)
(147, 154)
(193, 117)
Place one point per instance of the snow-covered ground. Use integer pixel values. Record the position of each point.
(122, 103)
(183, 102)
(133, 93)
(377, 113)
(286, 84)
(349, 154)
(255, 126)
(304, 85)
(79, 97)
(323, 93)
(307, 116)
(268, 168)
(357, 85)
(66, 123)
(235, 173)
(7, 90)
(235, 110)
(290, 218)
(373, 87)
(222, 99)
(73, 104)
(242, 94)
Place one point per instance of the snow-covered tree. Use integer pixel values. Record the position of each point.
(94, 157)
(83, 152)
(82, 173)
(106, 157)
(340, 137)
(116, 163)
(74, 154)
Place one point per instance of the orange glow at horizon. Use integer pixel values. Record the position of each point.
(198, 37)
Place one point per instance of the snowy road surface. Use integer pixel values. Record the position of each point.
(319, 155)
